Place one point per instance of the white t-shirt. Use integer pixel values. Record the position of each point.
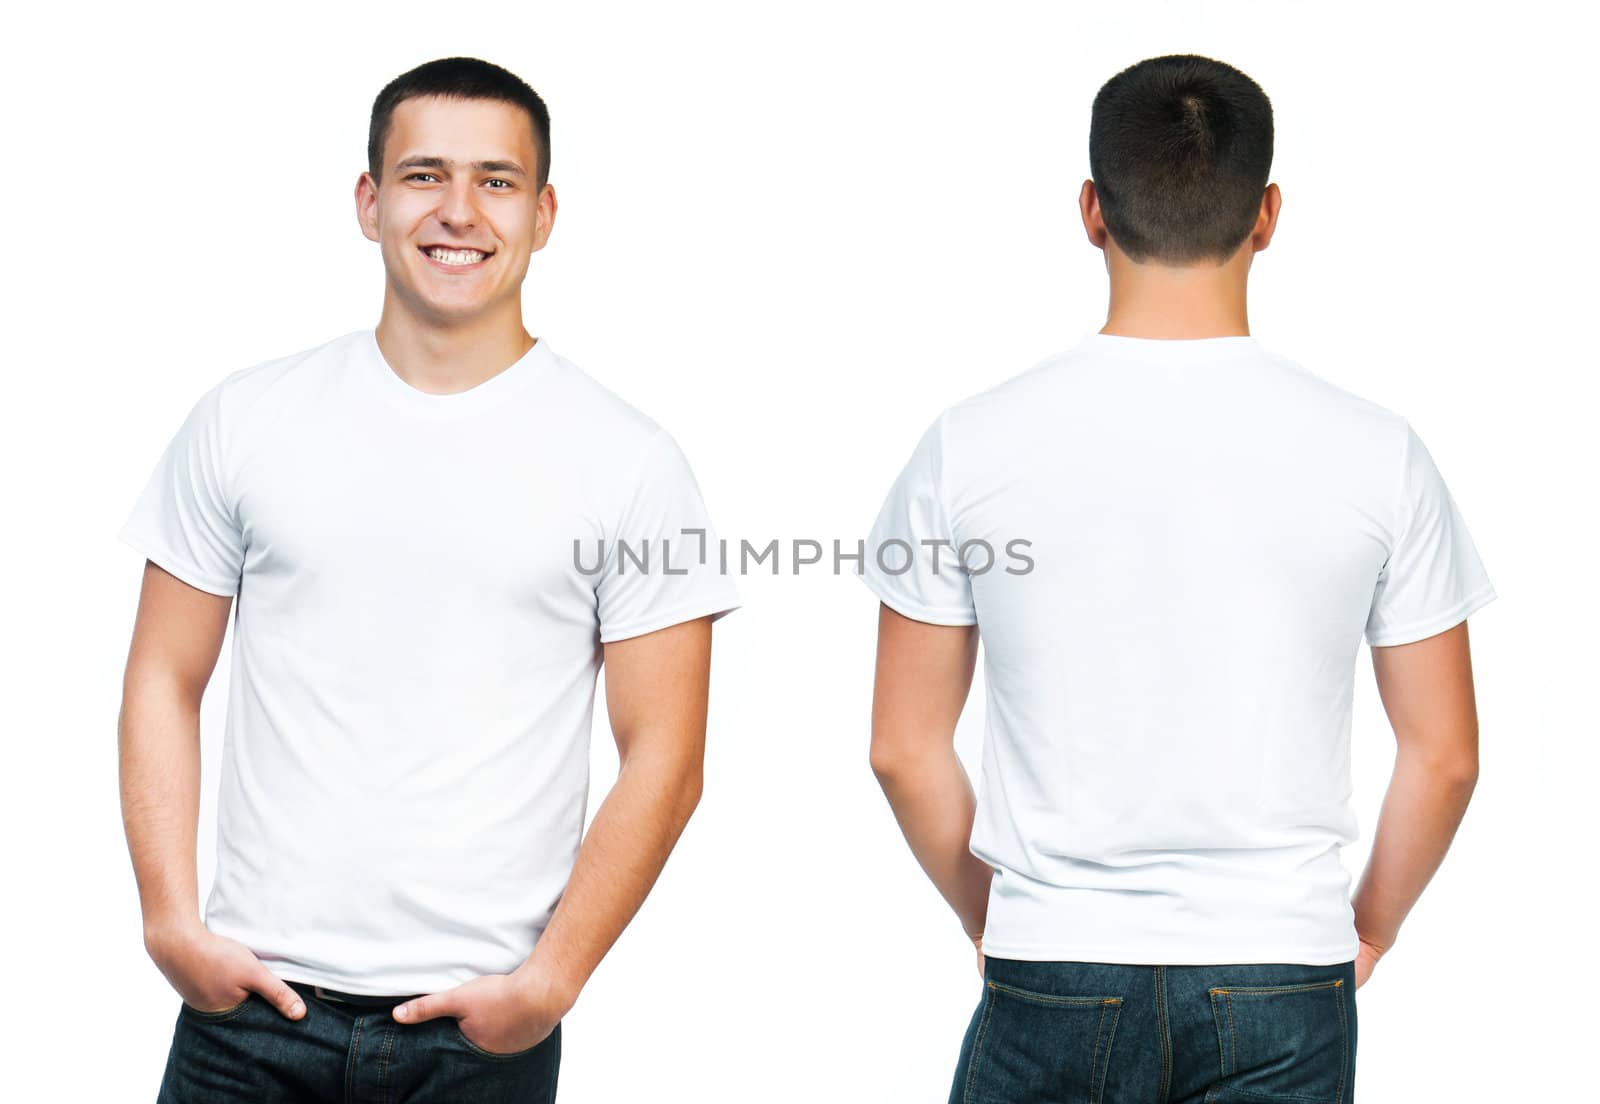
(417, 633)
(1210, 531)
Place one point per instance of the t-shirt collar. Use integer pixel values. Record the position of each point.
(1169, 350)
(515, 376)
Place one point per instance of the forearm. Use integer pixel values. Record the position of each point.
(934, 804)
(158, 745)
(1421, 812)
(620, 858)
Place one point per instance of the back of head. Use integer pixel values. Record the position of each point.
(1180, 148)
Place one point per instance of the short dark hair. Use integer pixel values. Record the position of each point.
(1180, 147)
(465, 78)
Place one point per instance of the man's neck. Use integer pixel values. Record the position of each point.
(444, 359)
(1172, 303)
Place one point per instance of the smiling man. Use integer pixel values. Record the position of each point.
(435, 531)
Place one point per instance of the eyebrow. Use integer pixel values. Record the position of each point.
(508, 167)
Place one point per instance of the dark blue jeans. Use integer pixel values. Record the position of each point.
(1106, 1033)
(343, 1053)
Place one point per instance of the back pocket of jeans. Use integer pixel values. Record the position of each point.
(1042, 1048)
(1285, 1043)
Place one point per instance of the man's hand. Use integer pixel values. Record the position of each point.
(500, 1013)
(1366, 958)
(213, 973)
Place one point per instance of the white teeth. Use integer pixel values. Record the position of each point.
(456, 256)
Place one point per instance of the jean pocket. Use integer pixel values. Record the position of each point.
(1285, 1043)
(221, 1014)
(1040, 1048)
(455, 1025)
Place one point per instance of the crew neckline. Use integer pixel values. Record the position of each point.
(1176, 349)
(510, 379)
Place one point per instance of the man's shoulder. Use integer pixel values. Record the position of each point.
(241, 390)
(1016, 390)
(1004, 407)
(614, 425)
(1318, 392)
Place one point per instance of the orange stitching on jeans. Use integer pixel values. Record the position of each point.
(1094, 1057)
(1344, 1029)
(1260, 990)
(1163, 1032)
(1222, 1048)
(1097, 1092)
(1047, 998)
(383, 1066)
(350, 1065)
(1233, 1035)
(977, 1044)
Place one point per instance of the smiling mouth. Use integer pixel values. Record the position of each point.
(454, 258)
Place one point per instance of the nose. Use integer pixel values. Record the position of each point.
(458, 206)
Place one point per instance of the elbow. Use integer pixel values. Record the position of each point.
(670, 784)
(1460, 770)
(1463, 775)
(691, 786)
(1452, 772)
(888, 762)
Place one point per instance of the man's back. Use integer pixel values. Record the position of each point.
(1210, 532)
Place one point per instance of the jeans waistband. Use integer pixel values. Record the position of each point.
(364, 1000)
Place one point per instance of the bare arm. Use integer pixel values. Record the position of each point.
(923, 675)
(656, 696)
(177, 634)
(656, 691)
(1426, 689)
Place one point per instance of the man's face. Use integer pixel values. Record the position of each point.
(457, 213)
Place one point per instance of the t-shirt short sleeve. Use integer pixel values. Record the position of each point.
(912, 558)
(662, 565)
(183, 520)
(1432, 578)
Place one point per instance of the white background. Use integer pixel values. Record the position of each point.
(793, 236)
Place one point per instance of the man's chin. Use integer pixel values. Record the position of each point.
(450, 310)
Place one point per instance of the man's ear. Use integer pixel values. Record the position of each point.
(1094, 224)
(367, 205)
(1267, 218)
(544, 216)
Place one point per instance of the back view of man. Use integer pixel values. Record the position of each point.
(1173, 541)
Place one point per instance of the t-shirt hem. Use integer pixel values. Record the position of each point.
(164, 559)
(361, 986)
(933, 615)
(1171, 956)
(1432, 626)
(718, 609)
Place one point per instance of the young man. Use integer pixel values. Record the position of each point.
(436, 530)
(1172, 541)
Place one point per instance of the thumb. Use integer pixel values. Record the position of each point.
(278, 993)
(425, 1008)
